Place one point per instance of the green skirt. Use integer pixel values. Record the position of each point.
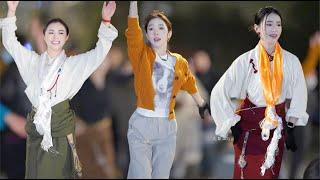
(43, 164)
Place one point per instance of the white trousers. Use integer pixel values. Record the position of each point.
(152, 144)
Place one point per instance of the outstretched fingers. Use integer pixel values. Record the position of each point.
(108, 10)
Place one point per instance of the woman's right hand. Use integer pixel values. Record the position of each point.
(108, 10)
(133, 9)
(12, 7)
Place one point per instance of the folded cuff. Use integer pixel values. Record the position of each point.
(222, 128)
(302, 117)
(108, 32)
(9, 22)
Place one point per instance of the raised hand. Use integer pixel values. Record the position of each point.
(108, 10)
(12, 7)
(133, 10)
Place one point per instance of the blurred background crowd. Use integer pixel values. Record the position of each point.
(210, 35)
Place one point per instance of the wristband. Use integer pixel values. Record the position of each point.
(106, 20)
(290, 124)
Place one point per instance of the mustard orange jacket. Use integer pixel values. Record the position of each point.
(142, 58)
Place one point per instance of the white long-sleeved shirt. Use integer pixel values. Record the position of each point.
(76, 69)
(240, 80)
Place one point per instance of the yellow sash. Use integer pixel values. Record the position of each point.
(271, 82)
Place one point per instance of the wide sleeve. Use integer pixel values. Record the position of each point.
(225, 95)
(25, 59)
(83, 65)
(135, 40)
(297, 94)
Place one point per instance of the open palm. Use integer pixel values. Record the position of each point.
(12, 5)
(108, 10)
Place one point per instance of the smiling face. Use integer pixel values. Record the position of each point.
(55, 36)
(270, 28)
(158, 33)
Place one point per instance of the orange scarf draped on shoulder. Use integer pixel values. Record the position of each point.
(271, 82)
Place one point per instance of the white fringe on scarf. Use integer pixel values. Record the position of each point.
(272, 148)
(42, 117)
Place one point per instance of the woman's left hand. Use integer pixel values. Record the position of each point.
(290, 139)
(203, 108)
(108, 10)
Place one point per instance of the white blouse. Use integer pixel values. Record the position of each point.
(76, 69)
(241, 81)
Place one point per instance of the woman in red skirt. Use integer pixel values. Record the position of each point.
(250, 99)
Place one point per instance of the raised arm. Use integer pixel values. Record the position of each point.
(12, 7)
(134, 35)
(83, 65)
(108, 11)
(133, 10)
(25, 59)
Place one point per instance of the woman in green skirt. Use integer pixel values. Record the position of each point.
(52, 79)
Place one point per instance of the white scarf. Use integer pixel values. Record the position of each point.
(272, 147)
(42, 117)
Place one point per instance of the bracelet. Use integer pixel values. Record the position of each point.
(106, 20)
(290, 124)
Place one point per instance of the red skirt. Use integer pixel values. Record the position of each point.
(256, 148)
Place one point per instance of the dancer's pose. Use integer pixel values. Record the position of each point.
(159, 75)
(264, 78)
(52, 79)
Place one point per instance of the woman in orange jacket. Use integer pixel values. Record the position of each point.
(158, 76)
